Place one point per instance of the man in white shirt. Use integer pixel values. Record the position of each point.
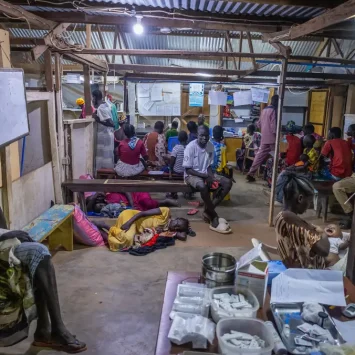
(198, 158)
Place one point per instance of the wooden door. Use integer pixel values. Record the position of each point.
(317, 112)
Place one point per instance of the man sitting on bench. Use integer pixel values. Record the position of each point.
(198, 159)
(18, 249)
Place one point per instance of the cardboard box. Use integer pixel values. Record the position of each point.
(252, 272)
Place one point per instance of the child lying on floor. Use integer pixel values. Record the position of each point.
(339, 242)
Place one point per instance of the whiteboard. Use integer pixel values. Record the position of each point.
(13, 107)
(159, 99)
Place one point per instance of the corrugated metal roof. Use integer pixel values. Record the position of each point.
(188, 43)
(212, 6)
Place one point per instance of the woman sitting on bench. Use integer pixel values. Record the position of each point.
(132, 222)
(19, 253)
(132, 155)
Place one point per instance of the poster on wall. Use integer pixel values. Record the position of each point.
(159, 99)
(196, 93)
(260, 95)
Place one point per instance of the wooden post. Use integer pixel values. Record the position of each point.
(105, 84)
(125, 96)
(5, 152)
(102, 42)
(6, 184)
(56, 161)
(87, 91)
(226, 50)
(231, 48)
(251, 50)
(350, 266)
(88, 36)
(48, 70)
(59, 112)
(240, 48)
(278, 136)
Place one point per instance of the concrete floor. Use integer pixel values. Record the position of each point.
(112, 301)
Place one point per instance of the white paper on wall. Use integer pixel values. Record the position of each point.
(242, 98)
(260, 95)
(217, 98)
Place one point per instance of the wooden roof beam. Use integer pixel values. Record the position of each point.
(339, 14)
(201, 24)
(17, 12)
(55, 28)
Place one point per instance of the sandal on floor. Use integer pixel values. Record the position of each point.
(192, 212)
(222, 228)
(196, 203)
(70, 348)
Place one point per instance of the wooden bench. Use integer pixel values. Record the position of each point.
(115, 185)
(111, 174)
(325, 189)
(56, 224)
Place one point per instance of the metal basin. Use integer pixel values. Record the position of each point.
(218, 269)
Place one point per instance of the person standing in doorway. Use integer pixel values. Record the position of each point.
(267, 124)
(201, 120)
(173, 131)
(105, 139)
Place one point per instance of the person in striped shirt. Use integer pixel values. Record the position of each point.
(177, 155)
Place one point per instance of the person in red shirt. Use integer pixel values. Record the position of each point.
(132, 155)
(294, 149)
(339, 152)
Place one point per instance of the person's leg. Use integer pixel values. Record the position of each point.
(199, 185)
(168, 202)
(261, 155)
(37, 259)
(209, 206)
(43, 330)
(279, 190)
(45, 281)
(341, 189)
(226, 185)
(239, 157)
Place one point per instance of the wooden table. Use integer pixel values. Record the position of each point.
(165, 347)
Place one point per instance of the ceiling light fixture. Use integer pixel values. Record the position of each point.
(204, 74)
(138, 28)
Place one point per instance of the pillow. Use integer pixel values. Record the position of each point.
(86, 232)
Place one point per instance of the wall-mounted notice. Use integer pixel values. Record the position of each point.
(217, 98)
(159, 99)
(13, 108)
(196, 92)
(242, 98)
(260, 95)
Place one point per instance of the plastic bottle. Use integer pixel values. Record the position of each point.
(279, 347)
(240, 133)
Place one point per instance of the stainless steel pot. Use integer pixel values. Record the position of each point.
(218, 269)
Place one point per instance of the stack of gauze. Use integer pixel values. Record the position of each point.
(243, 340)
(230, 305)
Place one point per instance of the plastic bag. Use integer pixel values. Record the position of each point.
(192, 328)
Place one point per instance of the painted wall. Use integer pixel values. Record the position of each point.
(37, 148)
(78, 150)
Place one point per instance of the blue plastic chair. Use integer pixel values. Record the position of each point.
(172, 142)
